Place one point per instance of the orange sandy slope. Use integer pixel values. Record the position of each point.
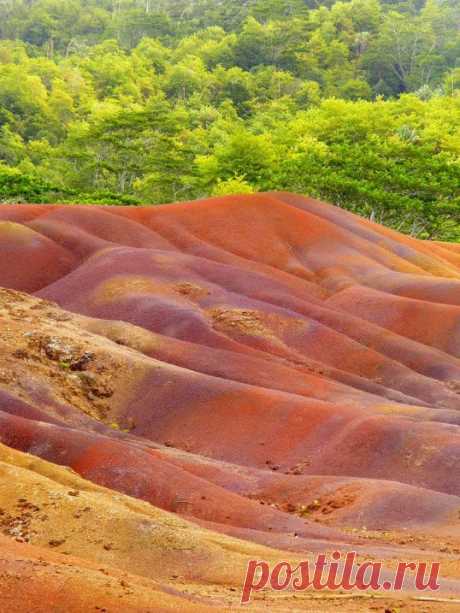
(268, 375)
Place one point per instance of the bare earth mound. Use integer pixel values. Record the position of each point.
(187, 387)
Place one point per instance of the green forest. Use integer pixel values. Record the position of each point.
(356, 102)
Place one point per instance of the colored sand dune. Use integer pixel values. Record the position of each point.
(186, 387)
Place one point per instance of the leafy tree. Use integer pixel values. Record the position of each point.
(235, 185)
(242, 154)
(16, 186)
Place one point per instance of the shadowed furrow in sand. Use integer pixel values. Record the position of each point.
(226, 379)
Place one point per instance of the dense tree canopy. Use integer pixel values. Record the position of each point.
(142, 101)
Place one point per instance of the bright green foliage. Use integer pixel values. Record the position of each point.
(147, 101)
(17, 186)
(235, 185)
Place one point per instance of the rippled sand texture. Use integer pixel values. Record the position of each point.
(185, 387)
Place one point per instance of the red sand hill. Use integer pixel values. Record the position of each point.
(185, 387)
